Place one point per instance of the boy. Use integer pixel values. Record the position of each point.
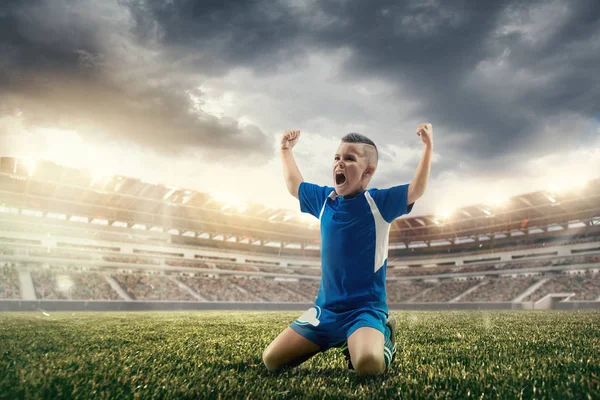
(350, 309)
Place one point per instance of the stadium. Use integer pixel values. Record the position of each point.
(156, 157)
(73, 242)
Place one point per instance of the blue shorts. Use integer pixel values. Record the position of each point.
(329, 329)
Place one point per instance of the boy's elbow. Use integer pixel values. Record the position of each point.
(294, 188)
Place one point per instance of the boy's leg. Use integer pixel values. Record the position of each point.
(369, 339)
(288, 350)
(366, 351)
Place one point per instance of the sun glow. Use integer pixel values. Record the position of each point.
(29, 164)
(229, 201)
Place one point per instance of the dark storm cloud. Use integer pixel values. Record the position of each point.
(497, 70)
(435, 48)
(218, 35)
(73, 65)
(503, 73)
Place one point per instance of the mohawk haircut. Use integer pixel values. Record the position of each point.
(358, 138)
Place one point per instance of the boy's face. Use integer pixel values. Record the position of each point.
(351, 169)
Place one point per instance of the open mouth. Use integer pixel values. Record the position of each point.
(340, 178)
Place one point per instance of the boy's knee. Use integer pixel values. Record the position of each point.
(369, 364)
(268, 360)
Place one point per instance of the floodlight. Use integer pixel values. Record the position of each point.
(443, 215)
(170, 192)
(99, 175)
(229, 200)
(29, 164)
(498, 202)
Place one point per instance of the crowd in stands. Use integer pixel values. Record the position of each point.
(131, 259)
(308, 289)
(9, 251)
(261, 262)
(91, 286)
(187, 263)
(418, 271)
(9, 283)
(54, 253)
(276, 270)
(307, 271)
(507, 245)
(500, 289)
(152, 287)
(46, 288)
(218, 289)
(403, 291)
(445, 291)
(479, 268)
(499, 266)
(237, 267)
(52, 284)
(269, 290)
(585, 285)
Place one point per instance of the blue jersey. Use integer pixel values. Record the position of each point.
(354, 243)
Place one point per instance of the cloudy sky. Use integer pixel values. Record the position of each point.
(196, 94)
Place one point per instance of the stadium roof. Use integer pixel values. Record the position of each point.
(51, 188)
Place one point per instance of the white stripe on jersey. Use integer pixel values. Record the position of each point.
(382, 232)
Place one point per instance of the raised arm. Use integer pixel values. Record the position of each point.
(291, 173)
(419, 182)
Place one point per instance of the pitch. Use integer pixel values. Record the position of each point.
(476, 354)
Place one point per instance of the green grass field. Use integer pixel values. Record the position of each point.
(218, 355)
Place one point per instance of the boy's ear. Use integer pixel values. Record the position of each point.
(370, 170)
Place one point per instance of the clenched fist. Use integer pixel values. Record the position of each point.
(425, 131)
(289, 139)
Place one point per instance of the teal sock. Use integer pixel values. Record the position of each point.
(388, 347)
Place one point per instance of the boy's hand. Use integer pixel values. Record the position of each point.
(289, 139)
(426, 133)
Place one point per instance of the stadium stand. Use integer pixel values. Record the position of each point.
(306, 289)
(500, 289)
(404, 291)
(585, 285)
(152, 287)
(78, 238)
(62, 285)
(445, 291)
(9, 283)
(218, 289)
(546, 262)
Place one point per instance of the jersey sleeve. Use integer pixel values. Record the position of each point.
(392, 202)
(312, 197)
